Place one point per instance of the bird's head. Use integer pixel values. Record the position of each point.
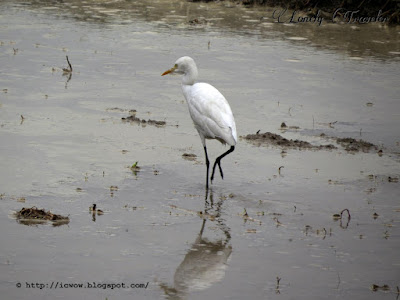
(183, 65)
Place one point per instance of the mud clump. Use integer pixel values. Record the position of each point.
(285, 127)
(198, 21)
(189, 156)
(133, 119)
(348, 144)
(33, 215)
(376, 287)
(353, 145)
(278, 140)
(155, 122)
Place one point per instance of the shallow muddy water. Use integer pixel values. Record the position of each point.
(64, 147)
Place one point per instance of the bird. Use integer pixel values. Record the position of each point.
(210, 111)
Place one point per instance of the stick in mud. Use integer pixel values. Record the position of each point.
(348, 219)
(278, 279)
(348, 213)
(69, 64)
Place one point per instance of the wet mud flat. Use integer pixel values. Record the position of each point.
(349, 144)
(268, 138)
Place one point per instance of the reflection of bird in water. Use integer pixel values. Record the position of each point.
(203, 265)
(211, 114)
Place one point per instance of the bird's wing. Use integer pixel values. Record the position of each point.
(211, 113)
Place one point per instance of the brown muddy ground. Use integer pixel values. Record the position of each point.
(273, 139)
(33, 215)
(132, 118)
(268, 138)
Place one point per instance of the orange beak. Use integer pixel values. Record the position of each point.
(168, 71)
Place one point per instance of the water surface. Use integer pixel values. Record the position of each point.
(71, 150)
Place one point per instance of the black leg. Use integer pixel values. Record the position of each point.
(218, 162)
(208, 166)
(202, 227)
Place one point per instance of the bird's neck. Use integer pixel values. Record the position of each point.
(190, 77)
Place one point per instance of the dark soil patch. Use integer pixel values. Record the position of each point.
(349, 144)
(189, 156)
(285, 127)
(198, 21)
(28, 216)
(274, 139)
(133, 119)
(353, 145)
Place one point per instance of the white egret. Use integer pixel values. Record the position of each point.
(211, 114)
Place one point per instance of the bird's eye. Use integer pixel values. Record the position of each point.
(176, 66)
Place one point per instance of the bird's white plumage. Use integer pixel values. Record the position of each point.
(211, 114)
